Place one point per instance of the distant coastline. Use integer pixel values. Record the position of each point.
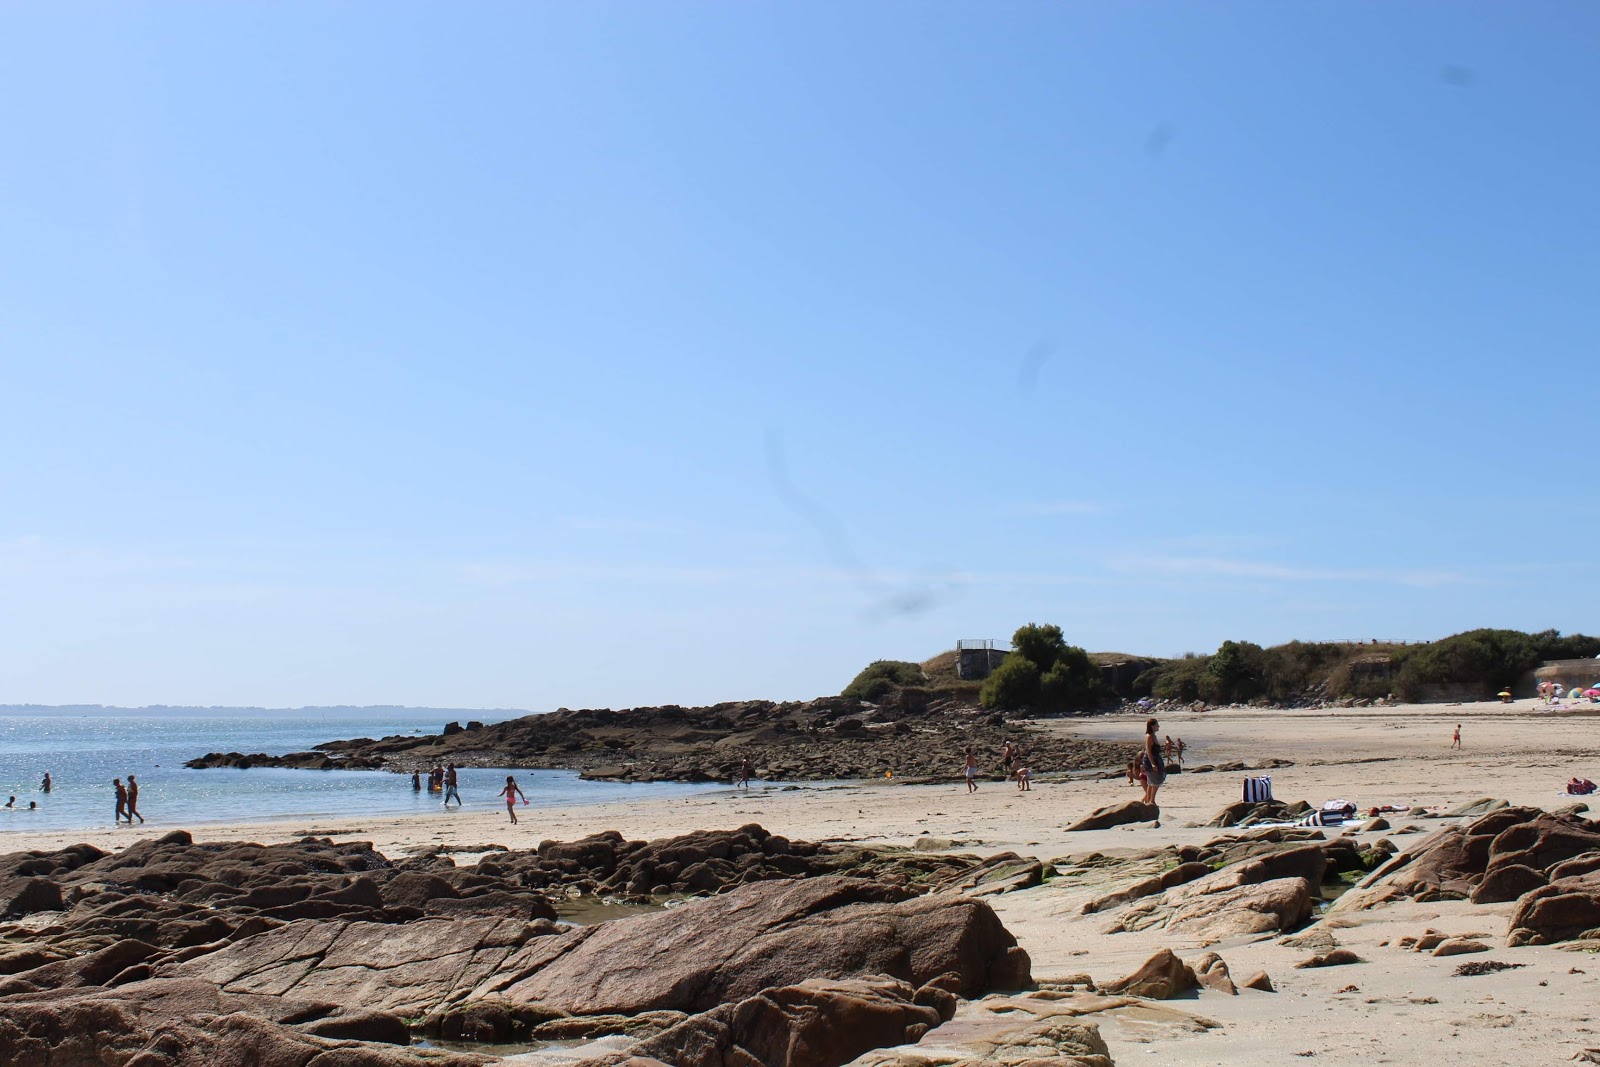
(375, 711)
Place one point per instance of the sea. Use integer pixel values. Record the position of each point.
(83, 753)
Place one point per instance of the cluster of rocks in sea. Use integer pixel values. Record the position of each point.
(832, 738)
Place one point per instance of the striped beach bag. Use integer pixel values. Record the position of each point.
(1258, 789)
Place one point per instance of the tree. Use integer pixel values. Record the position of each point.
(1014, 684)
(1044, 672)
(1233, 673)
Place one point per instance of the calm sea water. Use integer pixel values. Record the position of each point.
(84, 753)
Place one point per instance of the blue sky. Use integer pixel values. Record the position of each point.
(514, 354)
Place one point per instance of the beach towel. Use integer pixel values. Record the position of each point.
(1258, 789)
(1321, 818)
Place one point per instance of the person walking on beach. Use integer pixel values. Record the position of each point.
(511, 793)
(122, 801)
(1008, 756)
(744, 773)
(1155, 771)
(971, 771)
(450, 787)
(1181, 747)
(45, 785)
(1455, 742)
(133, 801)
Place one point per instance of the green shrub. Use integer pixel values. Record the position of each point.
(882, 677)
(1014, 684)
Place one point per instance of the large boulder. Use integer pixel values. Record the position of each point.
(1566, 908)
(761, 936)
(1161, 977)
(1128, 811)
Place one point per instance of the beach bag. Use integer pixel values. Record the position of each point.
(1258, 789)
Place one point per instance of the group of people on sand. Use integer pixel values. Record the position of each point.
(1012, 764)
(444, 779)
(1553, 692)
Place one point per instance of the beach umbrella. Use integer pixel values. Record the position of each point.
(1504, 693)
(1591, 692)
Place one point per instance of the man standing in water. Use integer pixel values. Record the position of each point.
(450, 787)
(133, 801)
(122, 801)
(45, 785)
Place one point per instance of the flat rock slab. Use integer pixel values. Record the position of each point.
(762, 936)
(689, 959)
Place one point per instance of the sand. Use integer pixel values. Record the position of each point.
(1398, 1007)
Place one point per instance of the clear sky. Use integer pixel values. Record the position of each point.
(587, 354)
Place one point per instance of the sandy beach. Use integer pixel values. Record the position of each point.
(1398, 1006)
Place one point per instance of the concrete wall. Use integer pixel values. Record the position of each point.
(975, 663)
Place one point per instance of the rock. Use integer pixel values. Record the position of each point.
(24, 896)
(1161, 977)
(375, 1026)
(1265, 894)
(1565, 909)
(1339, 957)
(1507, 883)
(1000, 874)
(1542, 842)
(163, 1023)
(408, 969)
(1373, 825)
(1457, 946)
(811, 1024)
(1048, 1035)
(1480, 806)
(1212, 973)
(1261, 981)
(1182, 873)
(760, 936)
(1117, 815)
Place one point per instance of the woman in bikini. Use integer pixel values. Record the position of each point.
(1155, 768)
(511, 793)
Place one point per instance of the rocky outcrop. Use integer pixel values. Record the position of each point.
(316, 954)
(829, 738)
(192, 1024)
(1548, 863)
(1270, 893)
